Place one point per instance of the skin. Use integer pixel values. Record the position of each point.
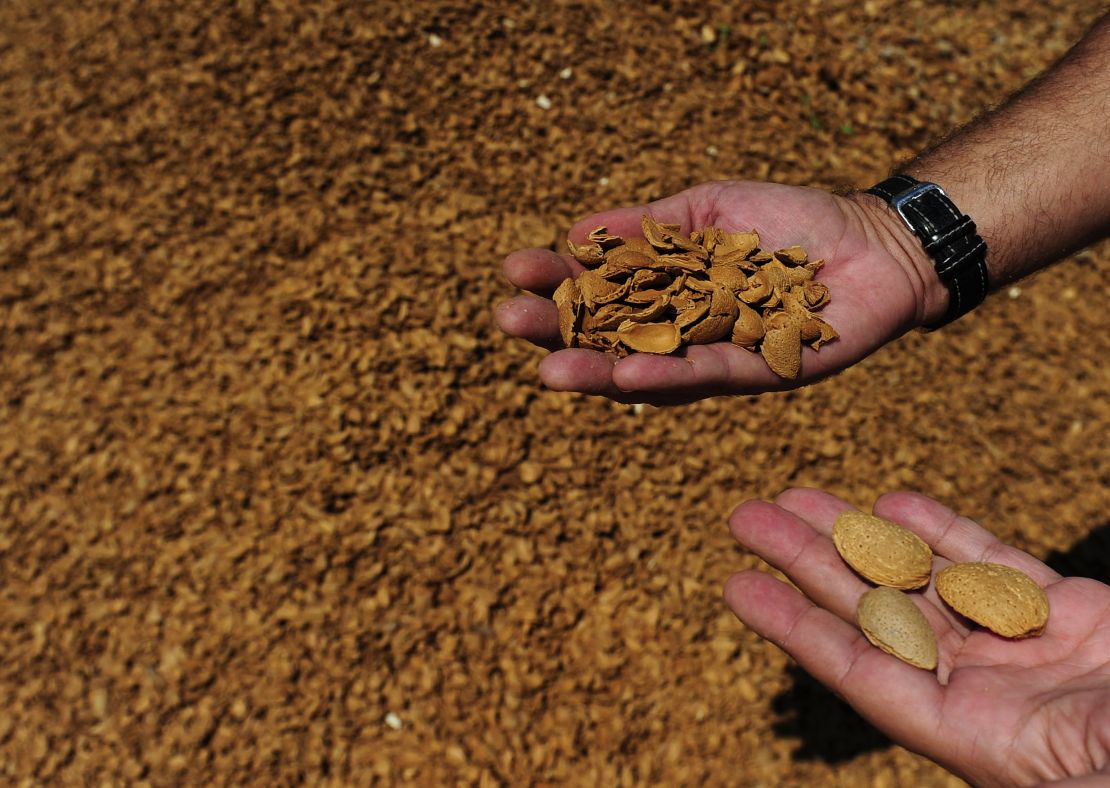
(1035, 177)
(997, 711)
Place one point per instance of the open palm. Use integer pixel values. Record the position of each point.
(877, 292)
(997, 711)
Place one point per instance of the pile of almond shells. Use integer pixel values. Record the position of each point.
(665, 290)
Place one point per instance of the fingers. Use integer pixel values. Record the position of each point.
(802, 551)
(539, 270)
(640, 377)
(577, 369)
(591, 372)
(717, 368)
(531, 318)
(957, 538)
(817, 507)
(877, 685)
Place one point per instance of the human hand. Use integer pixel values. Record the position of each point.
(881, 283)
(997, 711)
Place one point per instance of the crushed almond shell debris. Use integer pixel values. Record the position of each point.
(666, 290)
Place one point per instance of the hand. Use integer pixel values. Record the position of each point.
(998, 711)
(881, 283)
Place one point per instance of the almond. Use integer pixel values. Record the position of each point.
(891, 621)
(883, 552)
(1005, 600)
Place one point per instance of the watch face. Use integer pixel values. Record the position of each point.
(949, 237)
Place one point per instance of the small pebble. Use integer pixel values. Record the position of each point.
(543, 102)
(530, 472)
(565, 73)
(435, 41)
(1014, 292)
(393, 721)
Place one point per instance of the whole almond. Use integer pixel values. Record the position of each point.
(891, 621)
(883, 552)
(1002, 599)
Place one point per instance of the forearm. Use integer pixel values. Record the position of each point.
(1034, 174)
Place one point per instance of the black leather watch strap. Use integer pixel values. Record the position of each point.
(949, 237)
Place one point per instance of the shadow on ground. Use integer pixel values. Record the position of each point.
(828, 728)
(1089, 557)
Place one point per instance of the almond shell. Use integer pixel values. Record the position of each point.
(883, 552)
(890, 620)
(1005, 600)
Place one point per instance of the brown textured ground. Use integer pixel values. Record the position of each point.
(280, 504)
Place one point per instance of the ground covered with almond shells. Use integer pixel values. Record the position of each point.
(279, 503)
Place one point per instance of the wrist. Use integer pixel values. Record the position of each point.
(906, 249)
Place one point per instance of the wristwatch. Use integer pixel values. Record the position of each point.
(950, 239)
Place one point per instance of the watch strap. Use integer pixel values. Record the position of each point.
(949, 237)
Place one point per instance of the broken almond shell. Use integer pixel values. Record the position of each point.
(649, 337)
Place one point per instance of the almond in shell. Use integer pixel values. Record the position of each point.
(883, 552)
(1005, 600)
(891, 621)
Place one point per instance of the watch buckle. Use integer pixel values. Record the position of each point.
(899, 202)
